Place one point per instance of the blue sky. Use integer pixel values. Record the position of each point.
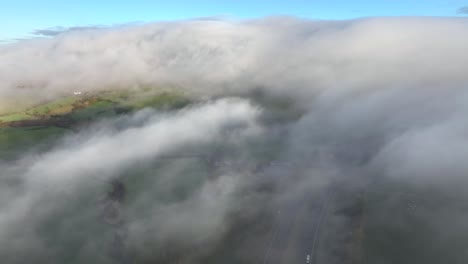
(20, 17)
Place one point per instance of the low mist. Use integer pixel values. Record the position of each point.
(286, 111)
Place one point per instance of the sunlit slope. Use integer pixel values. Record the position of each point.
(90, 105)
(35, 127)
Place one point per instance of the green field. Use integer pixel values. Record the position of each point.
(37, 127)
(97, 105)
(16, 141)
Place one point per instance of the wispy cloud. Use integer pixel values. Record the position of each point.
(463, 10)
(50, 32)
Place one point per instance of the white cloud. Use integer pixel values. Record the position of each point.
(377, 96)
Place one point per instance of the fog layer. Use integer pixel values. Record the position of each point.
(338, 103)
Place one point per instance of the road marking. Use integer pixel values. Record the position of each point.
(274, 231)
(319, 223)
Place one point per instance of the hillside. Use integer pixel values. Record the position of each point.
(73, 109)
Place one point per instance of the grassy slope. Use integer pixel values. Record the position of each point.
(57, 107)
(74, 109)
(14, 141)
(88, 106)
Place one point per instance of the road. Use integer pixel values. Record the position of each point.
(296, 230)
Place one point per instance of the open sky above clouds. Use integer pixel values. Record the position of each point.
(20, 19)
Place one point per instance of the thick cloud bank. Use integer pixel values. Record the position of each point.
(281, 53)
(336, 104)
